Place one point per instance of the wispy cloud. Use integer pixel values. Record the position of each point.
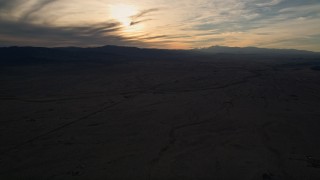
(141, 16)
(171, 24)
(39, 35)
(269, 3)
(34, 9)
(144, 13)
(25, 29)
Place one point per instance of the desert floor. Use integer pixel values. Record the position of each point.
(208, 118)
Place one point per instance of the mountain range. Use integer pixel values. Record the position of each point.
(22, 55)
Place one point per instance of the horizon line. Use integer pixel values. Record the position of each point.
(173, 49)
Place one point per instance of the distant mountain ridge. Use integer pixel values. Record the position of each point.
(251, 50)
(115, 54)
(130, 49)
(110, 54)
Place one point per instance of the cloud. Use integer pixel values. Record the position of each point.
(140, 17)
(26, 29)
(22, 33)
(6, 4)
(132, 23)
(270, 3)
(39, 5)
(311, 9)
(144, 13)
(173, 24)
(155, 37)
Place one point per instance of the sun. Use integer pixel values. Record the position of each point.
(123, 13)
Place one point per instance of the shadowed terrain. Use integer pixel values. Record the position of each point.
(129, 113)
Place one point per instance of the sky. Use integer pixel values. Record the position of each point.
(168, 24)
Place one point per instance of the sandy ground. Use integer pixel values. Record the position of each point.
(181, 119)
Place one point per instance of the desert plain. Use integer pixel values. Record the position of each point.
(233, 117)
